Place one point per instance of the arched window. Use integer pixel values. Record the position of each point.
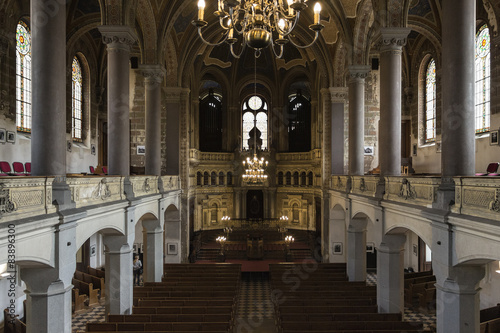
(299, 123)
(430, 102)
(280, 178)
(295, 178)
(23, 77)
(229, 178)
(213, 213)
(483, 79)
(288, 177)
(213, 178)
(205, 178)
(295, 213)
(77, 100)
(310, 178)
(199, 178)
(221, 178)
(303, 179)
(211, 122)
(255, 115)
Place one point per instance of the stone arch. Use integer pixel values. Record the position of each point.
(172, 237)
(147, 22)
(362, 35)
(337, 248)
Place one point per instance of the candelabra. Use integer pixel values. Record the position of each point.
(288, 254)
(254, 170)
(221, 240)
(227, 231)
(256, 21)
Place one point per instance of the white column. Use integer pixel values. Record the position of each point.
(153, 260)
(357, 75)
(153, 75)
(119, 284)
(390, 270)
(392, 42)
(339, 97)
(457, 299)
(48, 293)
(118, 40)
(356, 253)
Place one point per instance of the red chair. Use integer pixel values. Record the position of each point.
(27, 167)
(18, 169)
(105, 170)
(491, 170)
(92, 170)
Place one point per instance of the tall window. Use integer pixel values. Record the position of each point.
(483, 79)
(299, 125)
(211, 122)
(255, 122)
(77, 117)
(23, 77)
(430, 102)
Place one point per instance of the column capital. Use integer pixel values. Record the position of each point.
(117, 36)
(154, 73)
(358, 72)
(339, 94)
(392, 39)
(175, 94)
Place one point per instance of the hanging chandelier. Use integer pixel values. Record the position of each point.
(254, 170)
(256, 21)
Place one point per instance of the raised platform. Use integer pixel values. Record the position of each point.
(253, 265)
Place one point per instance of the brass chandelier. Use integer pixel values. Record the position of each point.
(256, 20)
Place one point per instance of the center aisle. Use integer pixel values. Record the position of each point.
(255, 311)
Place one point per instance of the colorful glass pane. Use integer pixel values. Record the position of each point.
(482, 86)
(23, 38)
(23, 77)
(430, 102)
(77, 114)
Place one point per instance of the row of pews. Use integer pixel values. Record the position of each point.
(88, 288)
(190, 298)
(319, 298)
(490, 320)
(420, 290)
(13, 324)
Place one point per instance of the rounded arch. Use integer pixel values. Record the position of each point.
(102, 227)
(423, 234)
(147, 22)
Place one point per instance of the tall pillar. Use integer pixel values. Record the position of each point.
(357, 75)
(118, 280)
(338, 96)
(325, 228)
(457, 299)
(48, 294)
(153, 75)
(458, 133)
(172, 138)
(153, 261)
(118, 40)
(392, 42)
(326, 107)
(48, 133)
(356, 251)
(390, 271)
(237, 203)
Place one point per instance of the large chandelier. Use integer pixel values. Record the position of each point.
(256, 20)
(254, 170)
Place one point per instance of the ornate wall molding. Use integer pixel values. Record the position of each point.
(6, 205)
(339, 94)
(358, 72)
(392, 39)
(153, 74)
(117, 37)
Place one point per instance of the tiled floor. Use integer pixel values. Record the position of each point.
(255, 312)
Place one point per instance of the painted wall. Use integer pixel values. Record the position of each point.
(490, 286)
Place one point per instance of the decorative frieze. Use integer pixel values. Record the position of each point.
(392, 39)
(477, 196)
(6, 205)
(339, 94)
(364, 185)
(117, 37)
(419, 191)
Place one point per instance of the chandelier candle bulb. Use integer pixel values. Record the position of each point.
(317, 10)
(201, 9)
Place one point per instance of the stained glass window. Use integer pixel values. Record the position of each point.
(256, 118)
(77, 114)
(23, 77)
(482, 90)
(430, 102)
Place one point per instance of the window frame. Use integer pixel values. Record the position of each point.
(262, 110)
(77, 101)
(485, 80)
(428, 140)
(23, 84)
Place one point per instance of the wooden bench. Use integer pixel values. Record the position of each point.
(78, 303)
(415, 289)
(427, 298)
(187, 317)
(184, 310)
(96, 272)
(87, 289)
(158, 327)
(296, 326)
(97, 282)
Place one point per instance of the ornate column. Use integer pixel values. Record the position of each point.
(357, 75)
(118, 40)
(392, 42)
(153, 75)
(48, 132)
(326, 106)
(458, 88)
(390, 270)
(339, 97)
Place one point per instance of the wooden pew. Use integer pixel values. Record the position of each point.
(415, 289)
(78, 300)
(8, 323)
(96, 272)
(87, 289)
(426, 298)
(19, 326)
(97, 282)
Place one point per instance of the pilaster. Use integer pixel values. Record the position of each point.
(339, 97)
